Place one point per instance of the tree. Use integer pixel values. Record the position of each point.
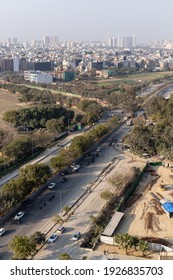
(135, 242)
(18, 148)
(107, 195)
(38, 173)
(143, 246)
(66, 208)
(57, 219)
(124, 240)
(62, 160)
(38, 237)
(118, 181)
(141, 140)
(99, 131)
(22, 247)
(113, 122)
(55, 125)
(64, 256)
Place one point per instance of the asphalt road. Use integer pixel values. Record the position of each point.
(38, 214)
(44, 157)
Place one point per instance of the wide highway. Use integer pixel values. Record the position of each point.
(39, 213)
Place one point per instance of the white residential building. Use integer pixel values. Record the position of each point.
(38, 77)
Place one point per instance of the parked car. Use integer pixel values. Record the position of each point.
(76, 236)
(98, 149)
(75, 167)
(2, 231)
(63, 179)
(61, 229)
(19, 215)
(64, 172)
(52, 238)
(51, 186)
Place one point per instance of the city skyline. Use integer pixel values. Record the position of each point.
(92, 20)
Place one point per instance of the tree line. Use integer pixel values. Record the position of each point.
(155, 136)
(37, 117)
(79, 145)
(17, 190)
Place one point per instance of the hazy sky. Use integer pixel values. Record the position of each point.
(72, 20)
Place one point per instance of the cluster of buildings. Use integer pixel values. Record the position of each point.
(123, 41)
(65, 61)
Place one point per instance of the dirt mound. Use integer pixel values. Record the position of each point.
(158, 241)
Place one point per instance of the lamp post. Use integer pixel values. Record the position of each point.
(60, 197)
(68, 126)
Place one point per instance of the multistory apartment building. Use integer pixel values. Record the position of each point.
(112, 42)
(38, 77)
(6, 64)
(15, 64)
(50, 40)
(126, 41)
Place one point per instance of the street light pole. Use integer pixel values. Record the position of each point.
(68, 127)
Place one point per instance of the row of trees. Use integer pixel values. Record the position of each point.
(157, 136)
(37, 116)
(35, 95)
(92, 110)
(17, 190)
(79, 145)
(18, 149)
(127, 241)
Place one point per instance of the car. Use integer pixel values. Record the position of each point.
(61, 229)
(19, 215)
(75, 167)
(98, 149)
(2, 231)
(51, 186)
(52, 238)
(63, 179)
(76, 236)
(64, 172)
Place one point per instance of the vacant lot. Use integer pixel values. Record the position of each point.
(135, 77)
(9, 101)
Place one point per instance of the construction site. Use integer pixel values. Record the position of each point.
(148, 213)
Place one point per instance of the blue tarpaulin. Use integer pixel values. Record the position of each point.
(168, 206)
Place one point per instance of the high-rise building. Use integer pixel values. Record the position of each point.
(112, 42)
(15, 64)
(126, 41)
(51, 40)
(6, 64)
(121, 41)
(14, 41)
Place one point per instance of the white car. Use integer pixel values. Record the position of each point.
(19, 215)
(61, 229)
(98, 149)
(2, 231)
(76, 236)
(75, 167)
(51, 186)
(52, 238)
